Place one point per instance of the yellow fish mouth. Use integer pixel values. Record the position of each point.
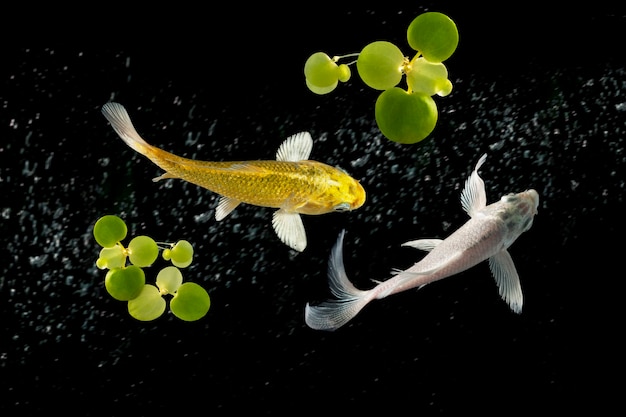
(359, 193)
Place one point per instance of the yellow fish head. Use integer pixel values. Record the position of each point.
(343, 193)
(355, 195)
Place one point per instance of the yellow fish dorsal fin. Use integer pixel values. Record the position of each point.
(295, 148)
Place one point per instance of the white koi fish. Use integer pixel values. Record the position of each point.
(486, 235)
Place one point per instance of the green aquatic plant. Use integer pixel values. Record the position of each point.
(126, 281)
(322, 74)
(402, 115)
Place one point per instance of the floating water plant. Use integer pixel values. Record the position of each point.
(126, 281)
(402, 115)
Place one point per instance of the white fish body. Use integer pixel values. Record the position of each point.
(486, 235)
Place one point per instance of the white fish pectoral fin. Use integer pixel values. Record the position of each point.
(474, 197)
(224, 207)
(507, 279)
(290, 229)
(295, 148)
(423, 244)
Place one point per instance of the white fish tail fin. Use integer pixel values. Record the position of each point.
(117, 115)
(332, 314)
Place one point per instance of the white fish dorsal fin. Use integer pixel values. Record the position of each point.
(224, 207)
(295, 148)
(289, 228)
(423, 244)
(505, 274)
(474, 197)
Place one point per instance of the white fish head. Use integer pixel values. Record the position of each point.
(518, 211)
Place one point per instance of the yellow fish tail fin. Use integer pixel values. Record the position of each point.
(117, 115)
(332, 314)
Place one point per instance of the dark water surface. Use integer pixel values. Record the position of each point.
(548, 121)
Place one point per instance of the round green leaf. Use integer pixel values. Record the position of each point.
(380, 65)
(125, 283)
(142, 251)
(149, 305)
(405, 117)
(191, 302)
(434, 35)
(109, 230)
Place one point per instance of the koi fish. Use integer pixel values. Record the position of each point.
(486, 235)
(292, 183)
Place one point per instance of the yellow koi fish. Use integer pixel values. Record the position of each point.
(292, 184)
(487, 235)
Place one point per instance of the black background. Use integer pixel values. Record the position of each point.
(541, 91)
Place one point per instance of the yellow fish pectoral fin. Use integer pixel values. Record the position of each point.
(224, 207)
(292, 204)
(290, 229)
(164, 177)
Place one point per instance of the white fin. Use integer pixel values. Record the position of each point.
(292, 204)
(423, 244)
(246, 167)
(165, 176)
(474, 197)
(117, 115)
(295, 148)
(397, 271)
(332, 314)
(290, 230)
(224, 207)
(505, 274)
(405, 275)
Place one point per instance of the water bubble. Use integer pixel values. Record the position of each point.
(202, 217)
(38, 260)
(48, 161)
(27, 171)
